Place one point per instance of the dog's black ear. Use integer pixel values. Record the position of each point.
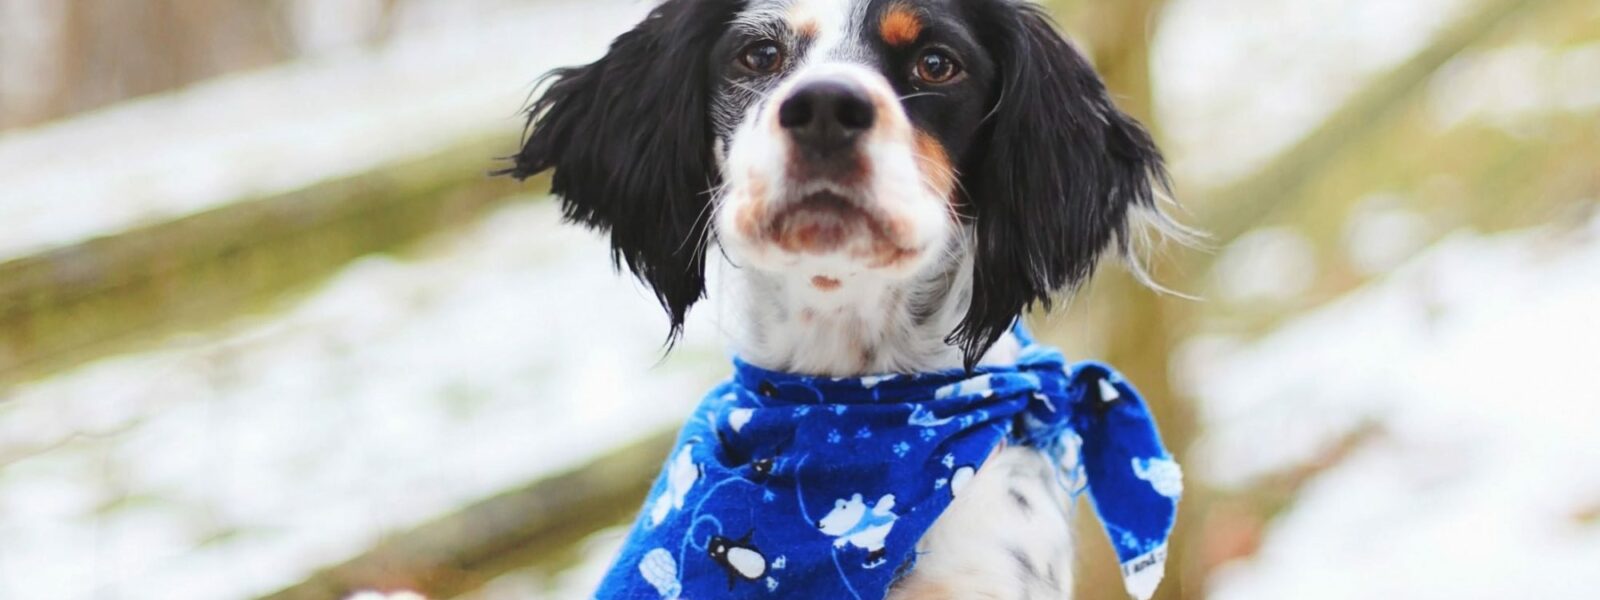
(1060, 171)
(629, 138)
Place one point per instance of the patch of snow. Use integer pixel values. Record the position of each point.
(282, 129)
(320, 26)
(1476, 362)
(233, 464)
(1381, 234)
(1237, 81)
(1274, 264)
(1506, 86)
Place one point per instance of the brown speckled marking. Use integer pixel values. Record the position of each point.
(826, 284)
(935, 165)
(888, 247)
(749, 217)
(892, 125)
(802, 20)
(938, 173)
(806, 28)
(900, 25)
(857, 173)
(748, 223)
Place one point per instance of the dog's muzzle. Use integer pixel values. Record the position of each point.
(825, 118)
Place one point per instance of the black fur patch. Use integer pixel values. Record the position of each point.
(1052, 186)
(629, 137)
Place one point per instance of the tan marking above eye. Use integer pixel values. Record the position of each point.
(803, 19)
(900, 25)
(806, 28)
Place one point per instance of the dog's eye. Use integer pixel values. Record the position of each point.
(762, 57)
(936, 66)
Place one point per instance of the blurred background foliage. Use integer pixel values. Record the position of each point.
(1482, 120)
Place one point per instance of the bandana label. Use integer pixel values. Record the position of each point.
(789, 486)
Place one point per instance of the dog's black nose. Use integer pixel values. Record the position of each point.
(826, 114)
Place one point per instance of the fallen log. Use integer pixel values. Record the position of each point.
(536, 524)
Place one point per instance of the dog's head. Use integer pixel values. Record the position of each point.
(851, 142)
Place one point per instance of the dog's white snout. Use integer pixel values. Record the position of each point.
(823, 179)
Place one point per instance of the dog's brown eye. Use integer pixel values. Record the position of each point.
(762, 57)
(936, 66)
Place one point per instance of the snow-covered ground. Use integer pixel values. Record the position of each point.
(1477, 365)
(283, 129)
(239, 462)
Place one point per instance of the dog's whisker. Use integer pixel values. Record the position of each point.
(748, 88)
(698, 233)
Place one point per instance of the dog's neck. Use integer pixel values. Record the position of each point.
(852, 326)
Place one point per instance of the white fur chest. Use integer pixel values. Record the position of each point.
(1007, 535)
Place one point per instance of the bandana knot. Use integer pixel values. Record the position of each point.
(793, 486)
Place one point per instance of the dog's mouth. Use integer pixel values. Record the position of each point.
(830, 221)
(821, 222)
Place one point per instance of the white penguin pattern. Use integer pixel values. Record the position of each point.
(738, 418)
(681, 475)
(1164, 475)
(661, 571)
(853, 523)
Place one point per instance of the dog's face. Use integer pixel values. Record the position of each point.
(842, 141)
(838, 124)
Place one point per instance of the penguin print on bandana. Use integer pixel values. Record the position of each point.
(681, 475)
(853, 523)
(739, 558)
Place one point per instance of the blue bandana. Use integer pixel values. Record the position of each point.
(789, 486)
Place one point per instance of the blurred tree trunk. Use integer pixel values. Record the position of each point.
(1119, 34)
(539, 525)
(1131, 327)
(98, 52)
(113, 49)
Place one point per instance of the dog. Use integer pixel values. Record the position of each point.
(889, 185)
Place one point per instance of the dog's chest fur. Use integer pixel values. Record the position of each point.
(1007, 536)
